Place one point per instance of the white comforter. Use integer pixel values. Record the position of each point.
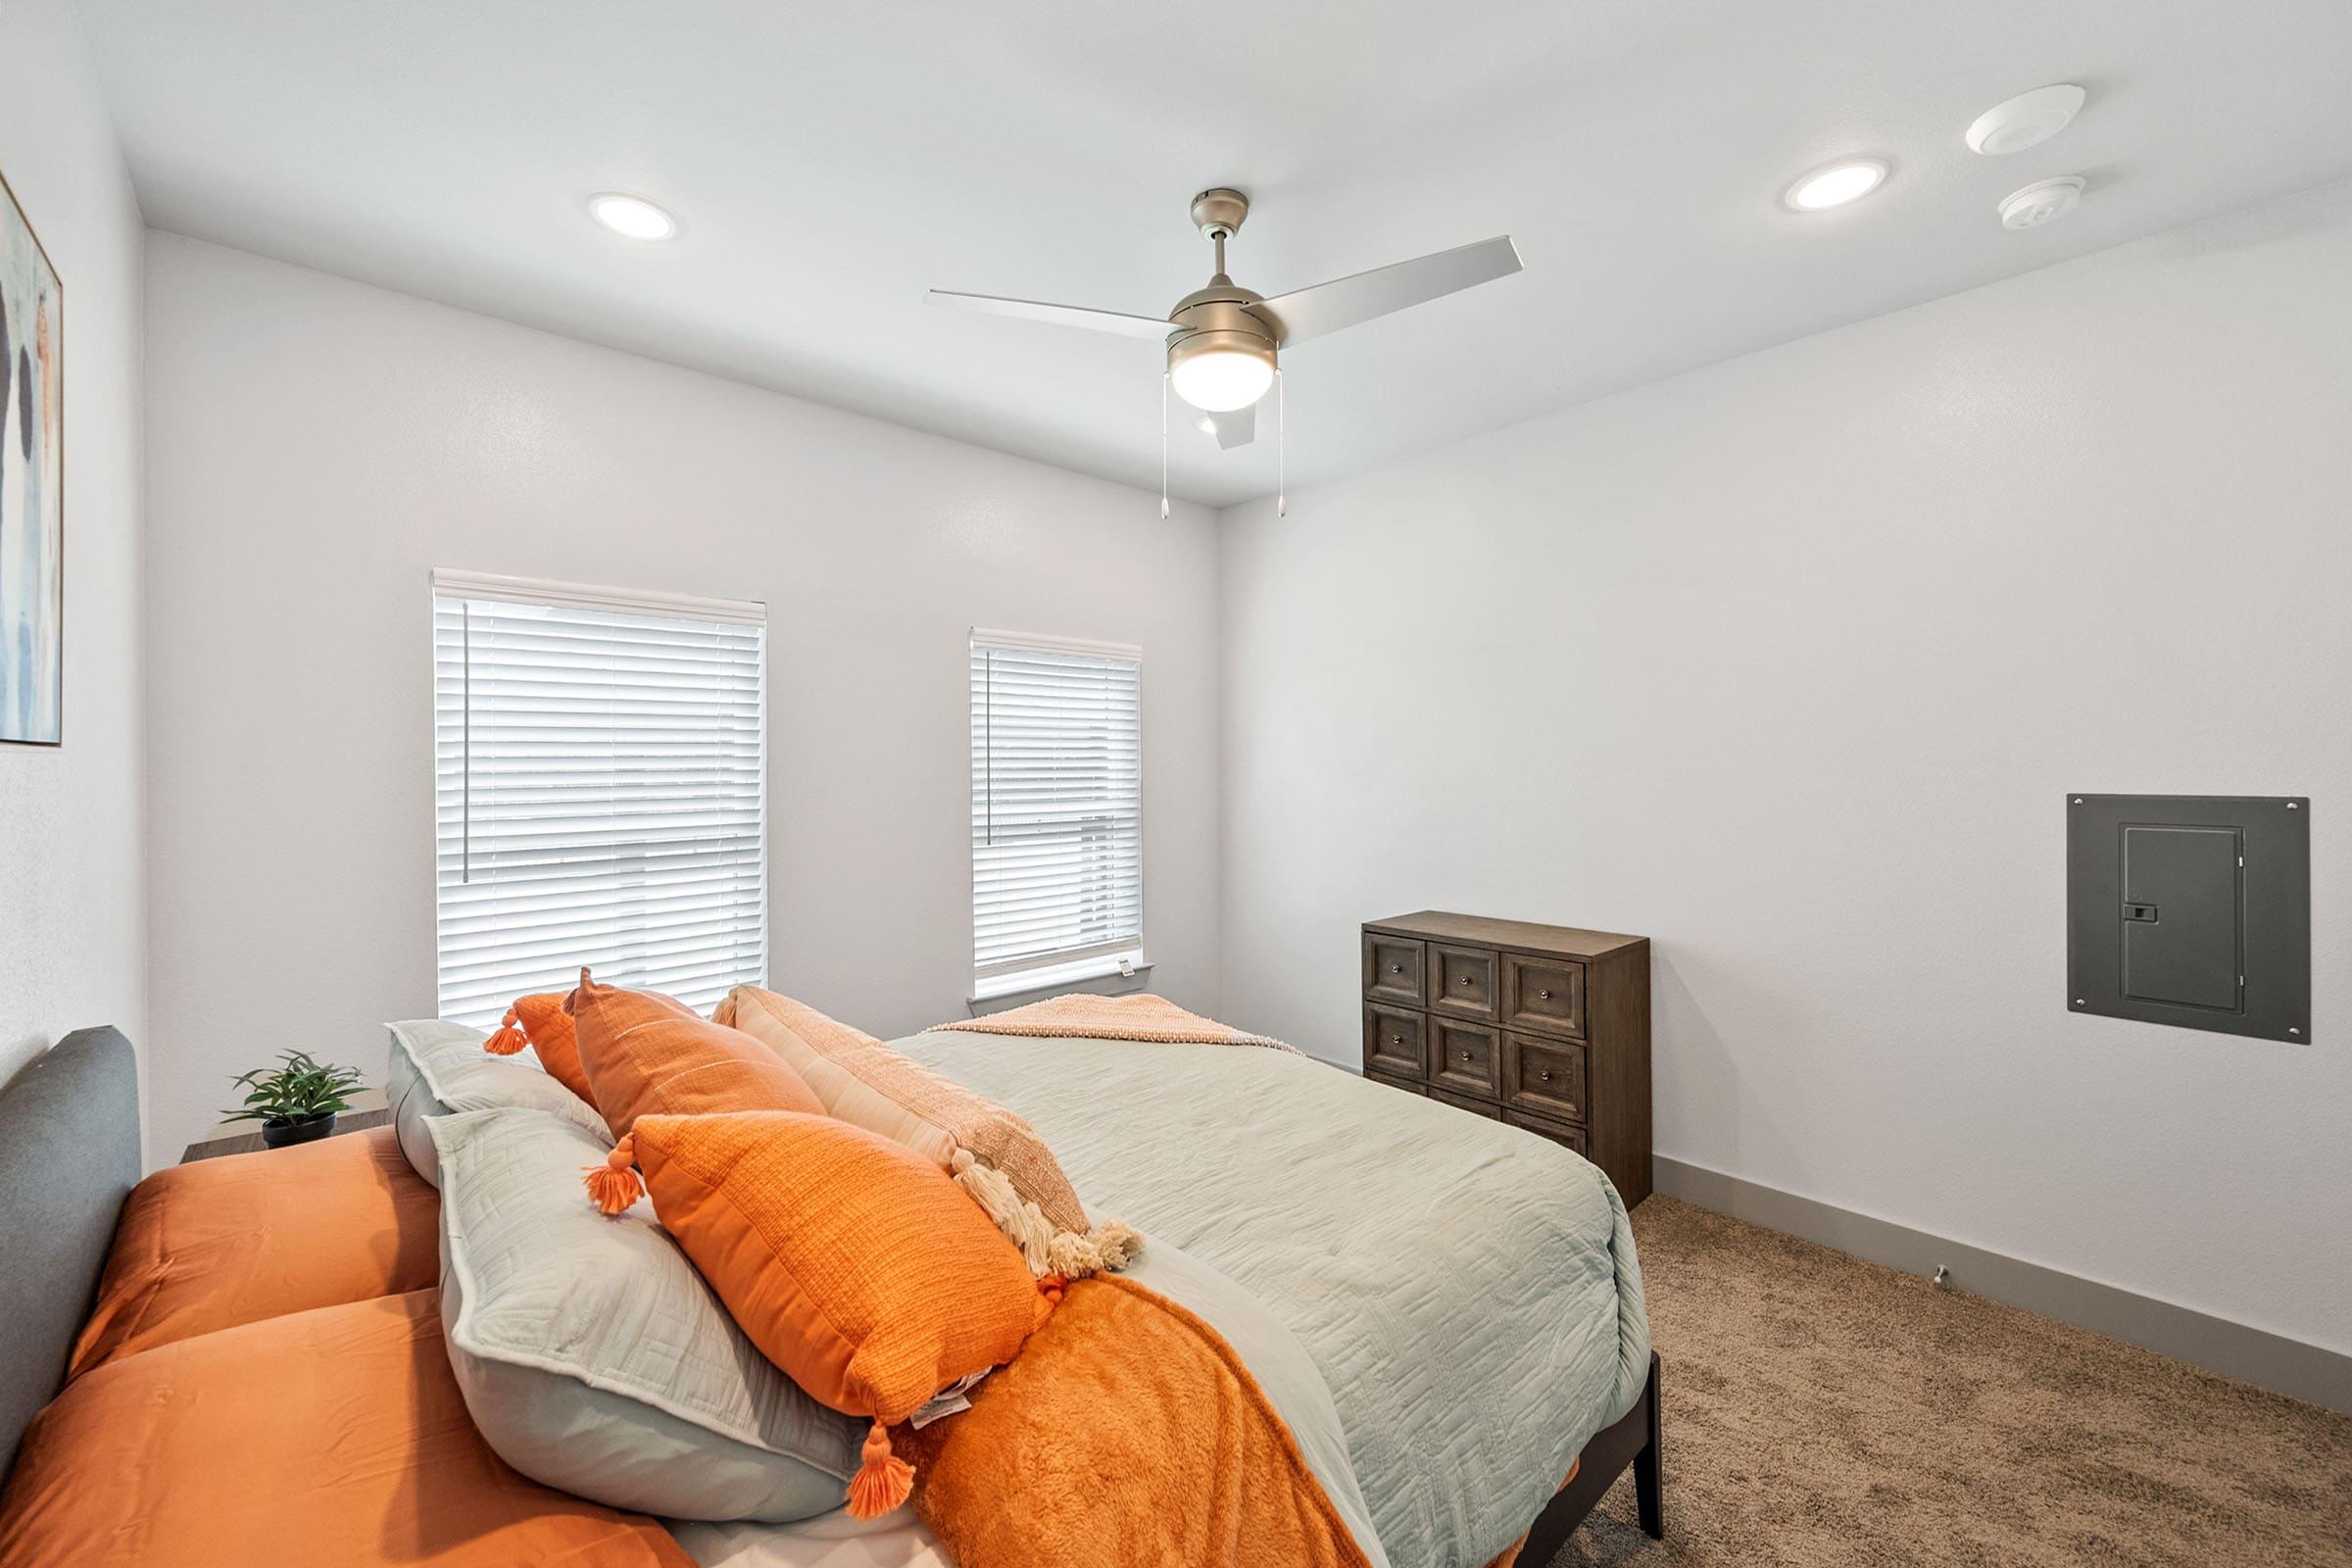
(1466, 1291)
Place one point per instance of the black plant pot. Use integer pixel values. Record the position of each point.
(277, 1134)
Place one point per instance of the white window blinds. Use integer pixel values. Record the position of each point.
(1058, 801)
(598, 791)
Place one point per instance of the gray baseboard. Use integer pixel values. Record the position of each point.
(2217, 1343)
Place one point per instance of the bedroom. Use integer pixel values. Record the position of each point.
(1764, 585)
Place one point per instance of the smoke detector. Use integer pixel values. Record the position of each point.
(2026, 120)
(2043, 203)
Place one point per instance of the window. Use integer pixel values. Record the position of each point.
(1058, 809)
(598, 791)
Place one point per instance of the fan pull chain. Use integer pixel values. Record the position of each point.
(1163, 446)
(1282, 446)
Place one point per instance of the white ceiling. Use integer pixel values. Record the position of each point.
(829, 163)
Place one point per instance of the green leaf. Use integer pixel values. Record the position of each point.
(299, 1089)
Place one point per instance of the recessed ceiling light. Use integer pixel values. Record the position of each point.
(632, 215)
(2026, 120)
(1848, 180)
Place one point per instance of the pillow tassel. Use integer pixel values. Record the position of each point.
(613, 1186)
(1021, 1221)
(883, 1480)
(509, 1036)
(1117, 1243)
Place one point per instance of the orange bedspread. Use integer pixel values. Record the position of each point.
(332, 1438)
(1127, 1435)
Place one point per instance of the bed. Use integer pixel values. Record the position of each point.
(1446, 1310)
(1373, 1227)
(1378, 1228)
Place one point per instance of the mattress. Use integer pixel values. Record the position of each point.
(1466, 1291)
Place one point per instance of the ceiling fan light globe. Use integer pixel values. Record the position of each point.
(1222, 381)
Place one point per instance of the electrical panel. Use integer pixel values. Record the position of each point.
(2191, 909)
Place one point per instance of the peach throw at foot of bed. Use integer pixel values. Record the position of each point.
(1127, 1435)
(1154, 1021)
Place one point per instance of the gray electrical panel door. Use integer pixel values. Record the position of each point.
(2191, 909)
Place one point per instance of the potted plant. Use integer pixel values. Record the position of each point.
(297, 1102)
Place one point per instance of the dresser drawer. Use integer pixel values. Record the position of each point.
(1393, 970)
(1462, 980)
(1387, 1082)
(1544, 995)
(1544, 1076)
(1465, 1057)
(1394, 1041)
(1559, 1132)
(1476, 1107)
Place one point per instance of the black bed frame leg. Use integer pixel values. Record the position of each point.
(1648, 1483)
(1631, 1441)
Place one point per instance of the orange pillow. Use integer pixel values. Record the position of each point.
(646, 1055)
(332, 1439)
(861, 1080)
(247, 1236)
(541, 1023)
(855, 1264)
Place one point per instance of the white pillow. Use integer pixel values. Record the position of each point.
(592, 1354)
(438, 1067)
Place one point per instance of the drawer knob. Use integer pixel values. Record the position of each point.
(1547, 1075)
(1466, 1055)
(1396, 968)
(1544, 995)
(1465, 979)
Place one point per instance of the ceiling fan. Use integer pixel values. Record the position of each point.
(1224, 342)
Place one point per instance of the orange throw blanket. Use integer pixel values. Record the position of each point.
(1509, 1554)
(1145, 1018)
(1127, 1435)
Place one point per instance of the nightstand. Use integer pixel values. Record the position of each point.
(369, 1109)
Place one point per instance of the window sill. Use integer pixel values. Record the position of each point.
(1101, 976)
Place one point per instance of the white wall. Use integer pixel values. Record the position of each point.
(316, 447)
(1787, 663)
(72, 884)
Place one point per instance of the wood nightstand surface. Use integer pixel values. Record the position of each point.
(369, 1109)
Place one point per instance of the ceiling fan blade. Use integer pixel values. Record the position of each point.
(1059, 315)
(1236, 429)
(1307, 313)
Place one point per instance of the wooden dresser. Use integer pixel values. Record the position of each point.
(1546, 1027)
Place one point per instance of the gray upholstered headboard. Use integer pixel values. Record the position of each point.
(69, 1152)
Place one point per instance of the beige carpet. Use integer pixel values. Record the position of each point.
(1822, 1411)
